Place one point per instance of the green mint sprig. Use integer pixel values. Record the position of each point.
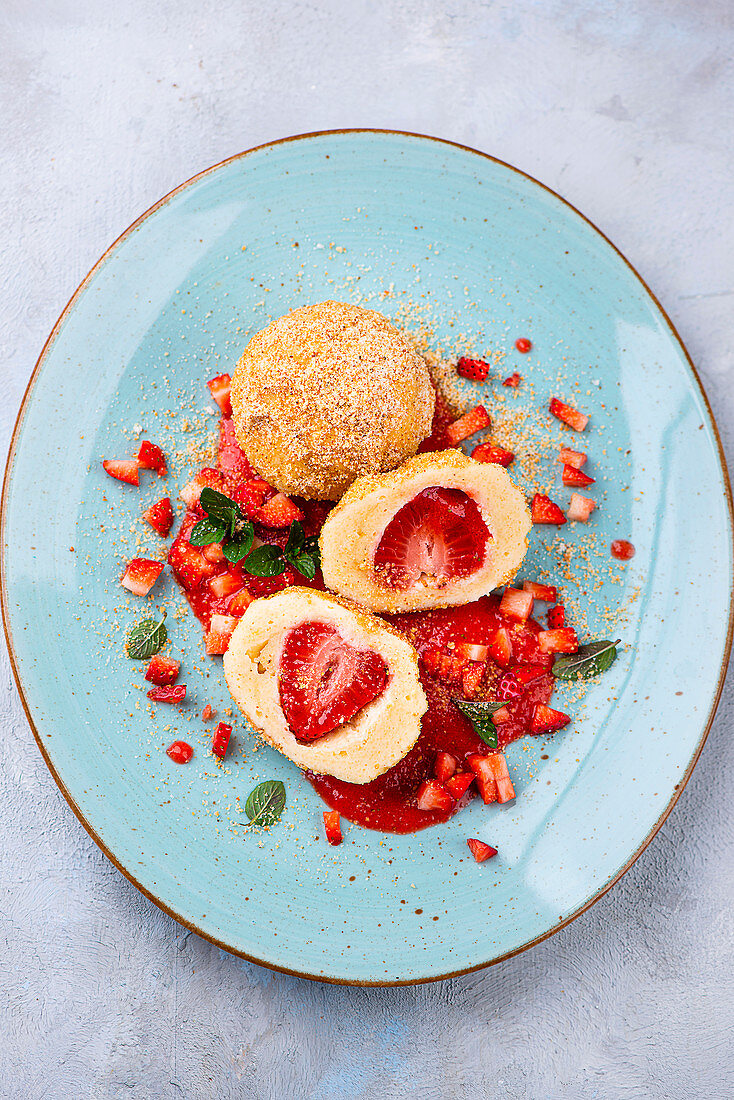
(480, 716)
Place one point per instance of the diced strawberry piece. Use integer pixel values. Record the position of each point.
(267, 586)
(160, 516)
(489, 452)
(442, 417)
(140, 575)
(323, 681)
(459, 784)
(546, 592)
(514, 380)
(575, 419)
(546, 720)
(573, 458)
(206, 478)
(472, 675)
(162, 670)
(213, 552)
(232, 459)
(450, 669)
(168, 693)
(544, 510)
(207, 713)
(151, 457)
(431, 660)
(471, 652)
(333, 826)
(221, 629)
(471, 422)
(432, 795)
(501, 648)
(580, 508)
(480, 850)
(444, 766)
(219, 389)
(482, 769)
(439, 534)
(476, 370)
(561, 640)
(220, 740)
(224, 584)
(123, 469)
(526, 675)
(556, 616)
(508, 688)
(279, 511)
(516, 604)
(180, 752)
(505, 789)
(239, 603)
(622, 550)
(572, 476)
(188, 563)
(501, 715)
(523, 344)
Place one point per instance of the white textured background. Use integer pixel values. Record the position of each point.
(627, 108)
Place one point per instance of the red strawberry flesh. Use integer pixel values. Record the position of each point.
(324, 682)
(437, 537)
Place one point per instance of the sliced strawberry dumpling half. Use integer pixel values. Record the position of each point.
(333, 688)
(442, 529)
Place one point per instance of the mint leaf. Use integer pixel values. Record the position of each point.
(266, 561)
(591, 659)
(480, 716)
(296, 540)
(302, 553)
(207, 531)
(304, 564)
(311, 547)
(219, 507)
(146, 639)
(237, 548)
(265, 803)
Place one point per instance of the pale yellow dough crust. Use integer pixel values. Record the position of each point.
(328, 393)
(353, 530)
(378, 736)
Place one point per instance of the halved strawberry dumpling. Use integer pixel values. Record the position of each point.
(330, 686)
(440, 530)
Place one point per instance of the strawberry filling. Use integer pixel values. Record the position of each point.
(324, 682)
(437, 537)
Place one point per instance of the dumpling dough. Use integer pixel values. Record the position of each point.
(378, 736)
(353, 530)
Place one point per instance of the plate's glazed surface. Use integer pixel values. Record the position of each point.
(449, 238)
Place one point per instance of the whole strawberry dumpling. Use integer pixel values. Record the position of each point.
(333, 688)
(440, 530)
(327, 393)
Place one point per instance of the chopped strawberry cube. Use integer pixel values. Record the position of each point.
(472, 675)
(556, 616)
(432, 795)
(213, 552)
(561, 640)
(546, 592)
(575, 478)
(508, 688)
(279, 511)
(580, 508)
(431, 660)
(188, 563)
(219, 389)
(224, 585)
(151, 457)
(480, 850)
(570, 457)
(207, 713)
(468, 424)
(471, 652)
(221, 629)
(140, 575)
(575, 419)
(123, 469)
(476, 370)
(162, 670)
(168, 694)
(482, 769)
(489, 452)
(220, 740)
(444, 766)
(498, 764)
(459, 784)
(239, 603)
(206, 478)
(523, 344)
(501, 715)
(332, 826)
(180, 752)
(442, 417)
(516, 604)
(160, 516)
(547, 720)
(526, 675)
(232, 459)
(544, 510)
(622, 550)
(501, 648)
(513, 380)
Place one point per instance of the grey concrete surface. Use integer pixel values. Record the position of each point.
(625, 108)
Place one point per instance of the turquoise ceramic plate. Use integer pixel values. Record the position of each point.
(470, 248)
